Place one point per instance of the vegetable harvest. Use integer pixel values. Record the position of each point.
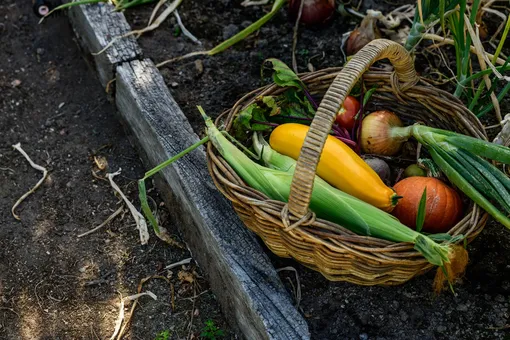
(349, 211)
(339, 165)
(458, 156)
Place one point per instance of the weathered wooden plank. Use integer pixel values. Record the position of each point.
(96, 26)
(240, 273)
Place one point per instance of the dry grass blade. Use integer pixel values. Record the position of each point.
(484, 61)
(247, 3)
(155, 11)
(447, 41)
(177, 264)
(141, 224)
(298, 284)
(117, 333)
(37, 185)
(486, 8)
(184, 30)
(503, 137)
(8, 170)
(295, 37)
(135, 297)
(162, 17)
(111, 217)
(120, 318)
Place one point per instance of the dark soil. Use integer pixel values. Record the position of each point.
(54, 285)
(479, 310)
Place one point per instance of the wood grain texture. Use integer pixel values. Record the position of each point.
(96, 26)
(240, 273)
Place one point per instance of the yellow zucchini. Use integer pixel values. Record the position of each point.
(339, 165)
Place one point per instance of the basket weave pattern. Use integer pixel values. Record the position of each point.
(291, 230)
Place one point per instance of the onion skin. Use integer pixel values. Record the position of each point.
(365, 33)
(315, 12)
(443, 208)
(376, 134)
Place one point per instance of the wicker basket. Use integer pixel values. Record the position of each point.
(290, 230)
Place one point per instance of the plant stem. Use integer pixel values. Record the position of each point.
(402, 132)
(310, 98)
(71, 4)
(294, 117)
(174, 158)
(449, 41)
(480, 74)
(502, 41)
(248, 30)
(500, 98)
(265, 123)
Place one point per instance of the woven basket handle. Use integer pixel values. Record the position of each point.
(302, 182)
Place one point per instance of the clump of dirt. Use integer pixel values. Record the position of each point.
(479, 309)
(52, 283)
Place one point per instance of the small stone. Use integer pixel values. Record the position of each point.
(179, 47)
(229, 31)
(69, 184)
(441, 329)
(363, 336)
(15, 83)
(199, 66)
(261, 43)
(174, 84)
(245, 24)
(61, 105)
(40, 51)
(403, 316)
(462, 308)
(500, 298)
(501, 323)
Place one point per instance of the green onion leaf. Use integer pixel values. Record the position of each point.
(496, 190)
(453, 175)
(482, 148)
(142, 194)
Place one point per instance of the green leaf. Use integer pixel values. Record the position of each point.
(270, 102)
(294, 105)
(142, 194)
(244, 121)
(368, 94)
(442, 6)
(283, 75)
(420, 217)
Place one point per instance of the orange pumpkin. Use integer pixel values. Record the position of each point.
(443, 207)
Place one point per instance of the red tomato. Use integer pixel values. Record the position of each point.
(346, 116)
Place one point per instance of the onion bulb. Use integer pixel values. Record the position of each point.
(315, 12)
(365, 33)
(379, 136)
